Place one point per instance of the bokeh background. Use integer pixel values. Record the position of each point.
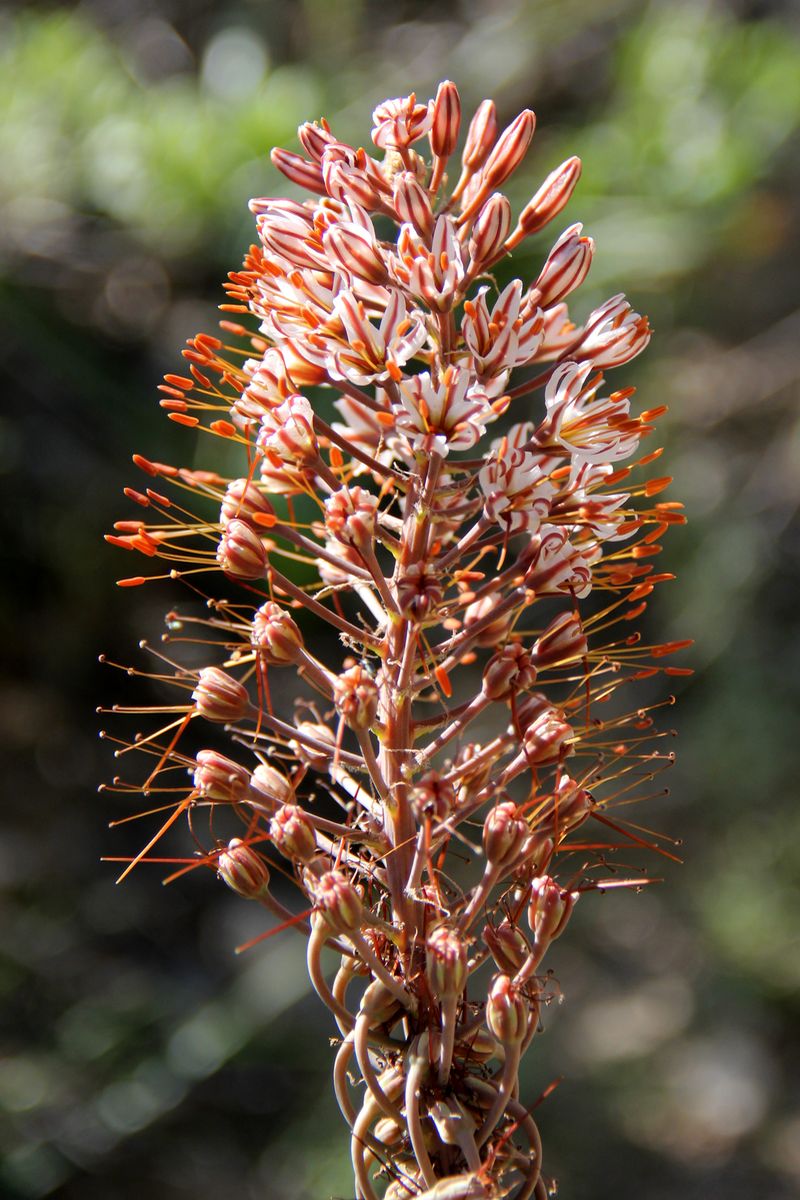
(139, 1052)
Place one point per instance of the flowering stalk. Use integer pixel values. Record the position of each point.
(463, 819)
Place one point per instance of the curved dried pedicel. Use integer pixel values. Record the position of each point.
(392, 762)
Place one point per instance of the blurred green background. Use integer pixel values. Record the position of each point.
(138, 1051)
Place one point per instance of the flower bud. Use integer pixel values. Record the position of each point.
(356, 253)
(241, 551)
(412, 204)
(504, 835)
(446, 962)
(490, 231)
(350, 516)
(355, 695)
(446, 120)
(566, 267)
(418, 591)
(292, 832)
(220, 779)
(241, 500)
(480, 136)
(338, 901)
(299, 170)
(509, 150)
(508, 671)
(270, 787)
(549, 909)
(220, 697)
(506, 1011)
(244, 870)
(549, 200)
(563, 641)
(275, 635)
(507, 945)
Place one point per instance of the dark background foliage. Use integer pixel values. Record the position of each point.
(139, 1053)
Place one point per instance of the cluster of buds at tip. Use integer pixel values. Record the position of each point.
(437, 487)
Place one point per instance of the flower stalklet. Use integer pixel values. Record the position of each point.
(411, 611)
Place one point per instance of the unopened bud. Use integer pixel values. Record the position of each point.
(275, 634)
(241, 551)
(507, 945)
(355, 695)
(491, 632)
(299, 170)
(220, 779)
(510, 149)
(220, 697)
(244, 870)
(338, 901)
(446, 120)
(490, 231)
(549, 200)
(566, 267)
(356, 253)
(446, 962)
(562, 642)
(412, 204)
(293, 834)
(504, 835)
(506, 1011)
(549, 909)
(242, 500)
(508, 671)
(480, 136)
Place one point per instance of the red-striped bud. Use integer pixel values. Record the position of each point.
(480, 136)
(219, 697)
(293, 834)
(299, 170)
(244, 870)
(566, 268)
(490, 231)
(241, 551)
(356, 253)
(510, 149)
(548, 201)
(446, 962)
(412, 203)
(446, 120)
(275, 634)
(506, 1011)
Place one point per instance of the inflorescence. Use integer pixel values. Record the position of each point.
(453, 609)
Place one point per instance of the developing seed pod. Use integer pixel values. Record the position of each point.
(270, 788)
(506, 1011)
(507, 945)
(219, 697)
(549, 909)
(432, 797)
(315, 757)
(293, 834)
(563, 641)
(446, 962)
(490, 632)
(504, 835)
(241, 551)
(338, 901)
(244, 870)
(220, 779)
(275, 635)
(356, 697)
(419, 592)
